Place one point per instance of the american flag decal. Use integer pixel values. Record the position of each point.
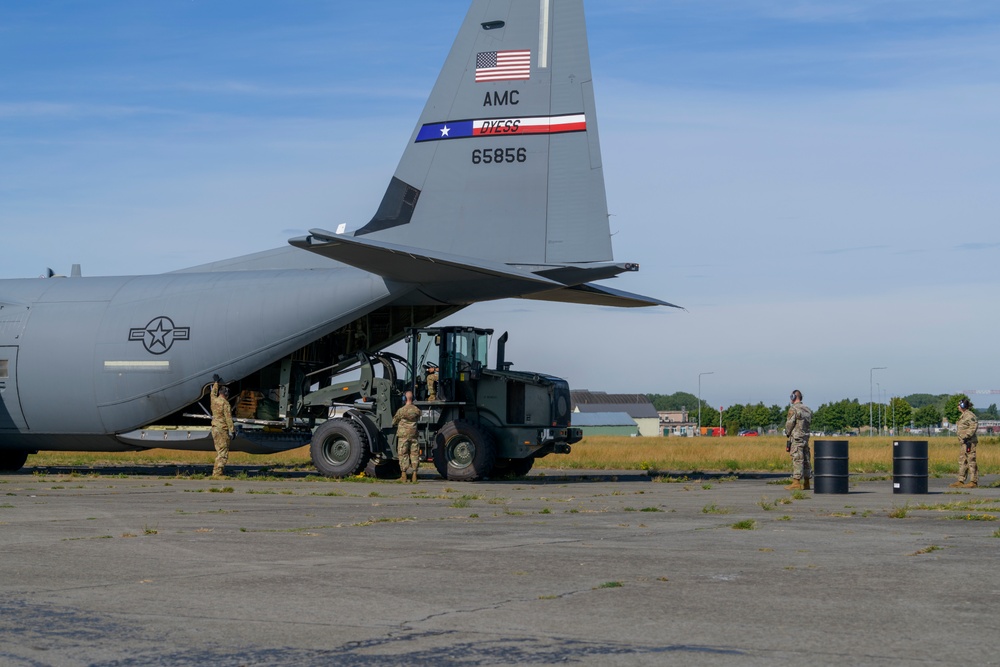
(503, 66)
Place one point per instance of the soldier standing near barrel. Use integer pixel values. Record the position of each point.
(967, 426)
(797, 432)
(407, 448)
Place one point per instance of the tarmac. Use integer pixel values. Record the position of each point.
(149, 566)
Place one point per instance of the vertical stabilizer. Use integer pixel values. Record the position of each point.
(505, 162)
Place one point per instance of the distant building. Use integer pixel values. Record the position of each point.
(605, 423)
(677, 422)
(636, 406)
(988, 427)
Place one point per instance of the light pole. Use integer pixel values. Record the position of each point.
(879, 420)
(892, 402)
(870, 400)
(699, 398)
(883, 407)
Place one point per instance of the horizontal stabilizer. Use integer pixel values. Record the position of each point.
(584, 273)
(594, 295)
(410, 265)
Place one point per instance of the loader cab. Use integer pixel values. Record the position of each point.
(458, 353)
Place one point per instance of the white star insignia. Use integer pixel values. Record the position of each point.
(445, 130)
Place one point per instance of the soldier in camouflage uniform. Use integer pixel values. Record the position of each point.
(967, 426)
(407, 448)
(797, 432)
(432, 380)
(222, 426)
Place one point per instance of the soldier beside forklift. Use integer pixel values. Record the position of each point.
(482, 422)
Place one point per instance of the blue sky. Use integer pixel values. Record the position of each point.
(815, 182)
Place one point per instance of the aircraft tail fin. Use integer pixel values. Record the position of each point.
(505, 163)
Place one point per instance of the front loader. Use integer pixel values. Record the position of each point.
(477, 422)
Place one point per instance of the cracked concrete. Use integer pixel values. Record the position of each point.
(582, 568)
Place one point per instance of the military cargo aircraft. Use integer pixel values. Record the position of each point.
(499, 194)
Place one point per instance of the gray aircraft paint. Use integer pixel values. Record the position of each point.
(91, 360)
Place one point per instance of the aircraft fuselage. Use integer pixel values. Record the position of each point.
(95, 356)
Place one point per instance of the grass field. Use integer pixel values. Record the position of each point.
(731, 454)
(761, 454)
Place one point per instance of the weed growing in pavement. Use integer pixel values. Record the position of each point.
(927, 550)
(715, 509)
(746, 524)
(959, 505)
(899, 512)
(610, 584)
(667, 479)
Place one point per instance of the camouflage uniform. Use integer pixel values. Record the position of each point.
(967, 426)
(432, 380)
(797, 428)
(222, 426)
(407, 449)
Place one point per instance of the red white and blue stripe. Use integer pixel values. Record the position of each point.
(502, 127)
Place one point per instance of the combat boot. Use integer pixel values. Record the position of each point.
(957, 485)
(971, 485)
(805, 483)
(796, 485)
(402, 477)
(414, 478)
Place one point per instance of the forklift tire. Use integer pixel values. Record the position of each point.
(382, 469)
(464, 452)
(339, 448)
(12, 461)
(511, 468)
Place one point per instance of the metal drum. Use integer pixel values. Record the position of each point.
(830, 474)
(909, 466)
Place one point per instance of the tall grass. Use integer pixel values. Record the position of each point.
(729, 454)
(760, 454)
(296, 458)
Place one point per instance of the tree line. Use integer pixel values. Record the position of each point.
(917, 410)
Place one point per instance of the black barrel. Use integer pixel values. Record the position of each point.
(830, 473)
(909, 466)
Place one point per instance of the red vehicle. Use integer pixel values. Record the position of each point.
(749, 434)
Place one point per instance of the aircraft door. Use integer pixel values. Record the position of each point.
(11, 418)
